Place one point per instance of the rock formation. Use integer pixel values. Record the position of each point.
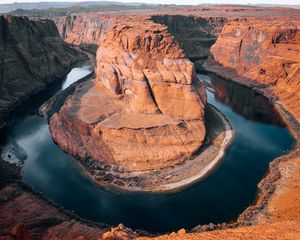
(236, 55)
(261, 53)
(264, 54)
(32, 56)
(144, 111)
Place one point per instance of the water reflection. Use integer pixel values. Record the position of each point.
(29, 132)
(242, 100)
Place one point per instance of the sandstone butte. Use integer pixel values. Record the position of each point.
(144, 111)
(275, 215)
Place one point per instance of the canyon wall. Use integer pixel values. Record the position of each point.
(195, 34)
(27, 215)
(32, 56)
(145, 110)
(83, 30)
(261, 53)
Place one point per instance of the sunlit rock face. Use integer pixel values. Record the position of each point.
(32, 55)
(144, 111)
(263, 53)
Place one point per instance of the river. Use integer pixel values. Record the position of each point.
(259, 137)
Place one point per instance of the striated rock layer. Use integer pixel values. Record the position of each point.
(279, 213)
(144, 111)
(263, 54)
(32, 55)
(195, 34)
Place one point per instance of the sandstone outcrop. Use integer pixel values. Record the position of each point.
(32, 56)
(277, 231)
(279, 214)
(120, 233)
(144, 111)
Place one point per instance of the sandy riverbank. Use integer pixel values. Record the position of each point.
(209, 167)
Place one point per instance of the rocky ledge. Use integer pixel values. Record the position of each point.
(145, 109)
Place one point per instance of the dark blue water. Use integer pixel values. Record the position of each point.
(259, 137)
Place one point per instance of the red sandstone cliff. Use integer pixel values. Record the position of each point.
(145, 110)
(263, 53)
(32, 55)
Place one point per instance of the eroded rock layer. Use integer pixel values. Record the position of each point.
(27, 215)
(263, 53)
(144, 111)
(32, 55)
(279, 213)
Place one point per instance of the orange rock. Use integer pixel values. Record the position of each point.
(20, 232)
(144, 111)
(120, 233)
(262, 53)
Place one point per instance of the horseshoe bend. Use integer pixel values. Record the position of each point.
(178, 122)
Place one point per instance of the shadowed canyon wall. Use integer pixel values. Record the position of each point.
(195, 35)
(32, 54)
